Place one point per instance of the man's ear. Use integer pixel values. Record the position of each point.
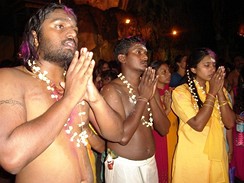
(121, 58)
(193, 70)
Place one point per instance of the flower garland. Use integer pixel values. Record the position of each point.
(190, 83)
(42, 76)
(82, 136)
(199, 86)
(132, 99)
(203, 92)
(132, 96)
(55, 94)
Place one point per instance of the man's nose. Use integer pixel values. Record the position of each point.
(71, 33)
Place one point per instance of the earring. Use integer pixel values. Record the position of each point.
(36, 44)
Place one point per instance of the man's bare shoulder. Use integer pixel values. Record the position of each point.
(12, 81)
(113, 94)
(112, 87)
(11, 73)
(11, 97)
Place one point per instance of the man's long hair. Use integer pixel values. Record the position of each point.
(28, 51)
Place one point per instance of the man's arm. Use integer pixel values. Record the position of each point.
(112, 95)
(24, 140)
(107, 122)
(131, 121)
(161, 121)
(21, 140)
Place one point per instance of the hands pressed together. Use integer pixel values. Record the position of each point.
(79, 76)
(217, 81)
(167, 99)
(148, 84)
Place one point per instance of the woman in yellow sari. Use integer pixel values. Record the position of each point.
(204, 110)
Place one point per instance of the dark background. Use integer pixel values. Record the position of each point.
(210, 23)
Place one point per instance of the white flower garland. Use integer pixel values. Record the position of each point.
(190, 84)
(132, 99)
(78, 138)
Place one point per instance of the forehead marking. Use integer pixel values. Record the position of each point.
(212, 59)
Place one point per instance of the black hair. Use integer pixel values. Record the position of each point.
(28, 50)
(157, 63)
(122, 46)
(109, 74)
(196, 56)
(175, 66)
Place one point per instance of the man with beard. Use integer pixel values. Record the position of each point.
(46, 104)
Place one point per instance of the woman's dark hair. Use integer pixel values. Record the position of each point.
(115, 65)
(156, 64)
(175, 66)
(99, 67)
(196, 56)
(28, 50)
(109, 74)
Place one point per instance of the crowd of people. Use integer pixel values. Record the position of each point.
(67, 118)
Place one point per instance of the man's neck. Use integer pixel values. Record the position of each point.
(54, 72)
(132, 78)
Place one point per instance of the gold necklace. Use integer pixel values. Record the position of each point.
(78, 138)
(132, 99)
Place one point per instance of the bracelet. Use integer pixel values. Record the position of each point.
(223, 103)
(208, 105)
(142, 99)
(212, 101)
(211, 95)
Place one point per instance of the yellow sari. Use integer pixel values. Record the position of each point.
(200, 156)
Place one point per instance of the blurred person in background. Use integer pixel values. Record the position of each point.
(165, 145)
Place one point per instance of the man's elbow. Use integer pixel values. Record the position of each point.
(114, 136)
(11, 165)
(124, 141)
(165, 129)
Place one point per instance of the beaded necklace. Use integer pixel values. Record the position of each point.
(132, 99)
(78, 138)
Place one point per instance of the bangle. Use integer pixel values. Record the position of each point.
(211, 95)
(142, 99)
(212, 101)
(208, 105)
(223, 103)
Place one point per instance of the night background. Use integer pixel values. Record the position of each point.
(217, 24)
